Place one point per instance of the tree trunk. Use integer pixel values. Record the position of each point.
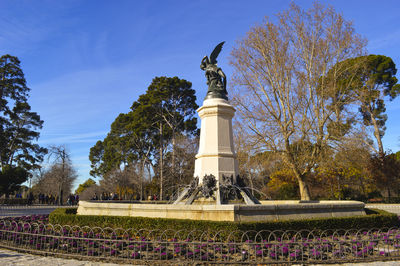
(377, 136)
(173, 153)
(303, 187)
(60, 195)
(251, 183)
(304, 191)
(141, 178)
(173, 167)
(63, 159)
(301, 178)
(161, 162)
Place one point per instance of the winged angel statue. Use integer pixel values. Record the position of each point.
(216, 79)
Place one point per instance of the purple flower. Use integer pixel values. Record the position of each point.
(189, 254)
(315, 253)
(232, 250)
(205, 257)
(135, 255)
(143, 247)
(337, 253)
(295, 255)
(285, 250)
(273, 255)
(164, 255)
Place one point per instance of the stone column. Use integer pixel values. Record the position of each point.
(216, 154)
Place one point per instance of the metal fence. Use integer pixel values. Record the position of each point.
(138, 246)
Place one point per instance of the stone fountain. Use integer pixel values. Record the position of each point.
(216, 192)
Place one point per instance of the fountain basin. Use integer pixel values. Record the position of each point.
(267, 211)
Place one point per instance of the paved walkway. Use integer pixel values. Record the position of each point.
(394, 208)
(375, 263)
(16, 211)
(8, 257)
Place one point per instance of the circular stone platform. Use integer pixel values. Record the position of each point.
(267, 211)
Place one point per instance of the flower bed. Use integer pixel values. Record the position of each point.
(35, 234)
(375, 218)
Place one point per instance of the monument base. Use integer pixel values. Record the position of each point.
(216, 155)
(267, 211)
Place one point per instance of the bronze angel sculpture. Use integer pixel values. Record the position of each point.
(216, 79)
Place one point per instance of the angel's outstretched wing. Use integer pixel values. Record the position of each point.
(215, 53)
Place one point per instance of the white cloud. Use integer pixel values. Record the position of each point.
(390, 39)
(74, 138)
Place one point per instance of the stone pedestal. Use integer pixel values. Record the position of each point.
(216, 154)
(268, 211)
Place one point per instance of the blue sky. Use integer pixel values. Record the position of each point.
(87, 61)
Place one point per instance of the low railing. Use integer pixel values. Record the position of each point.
(195, 246)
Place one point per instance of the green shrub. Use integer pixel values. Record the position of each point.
(374, 219)
(288, 191)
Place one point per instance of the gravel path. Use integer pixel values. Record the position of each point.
(16, 211)
(8, 257)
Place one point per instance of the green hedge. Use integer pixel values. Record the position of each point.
(374, 219)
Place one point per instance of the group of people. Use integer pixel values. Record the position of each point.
(47, 199)
(72, 200)
(115, 196)
(154, 197)
(106, 196)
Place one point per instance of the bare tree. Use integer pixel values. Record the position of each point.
(56, 178)
(63, 170)
(88, 193)
(283, 93)
(125, 182)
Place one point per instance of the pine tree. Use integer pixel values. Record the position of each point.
(18, 127)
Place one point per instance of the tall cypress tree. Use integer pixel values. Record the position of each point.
(18, 127)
